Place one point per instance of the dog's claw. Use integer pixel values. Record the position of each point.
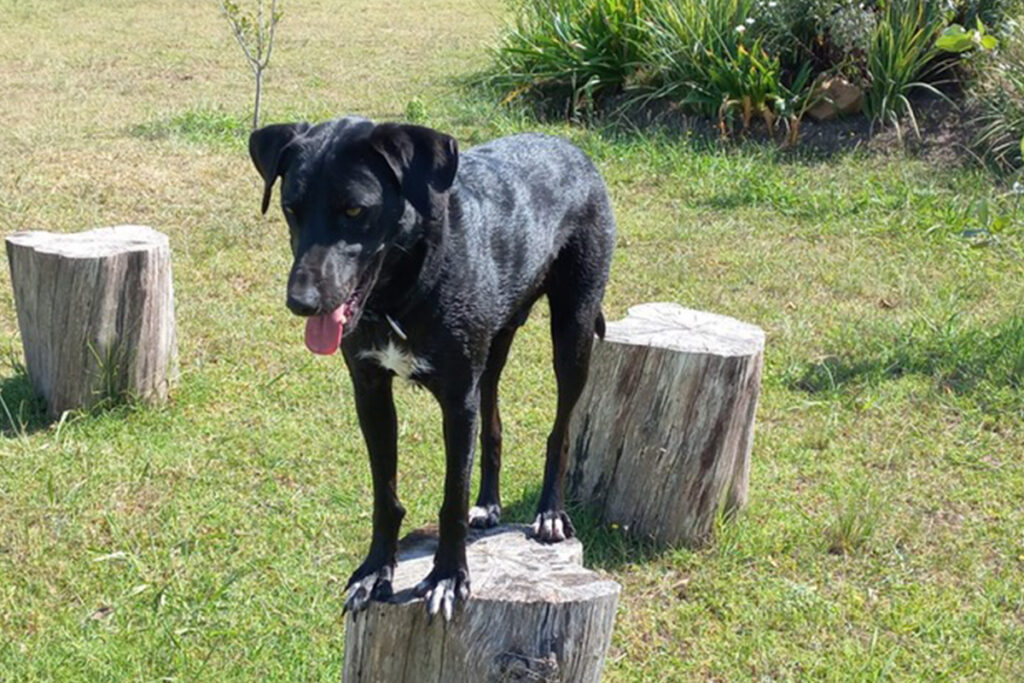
(358, 597)
(552, 527)
(373, 586)
(441, 595)
(484, 516)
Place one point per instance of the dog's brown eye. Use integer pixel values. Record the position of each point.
(354, 211)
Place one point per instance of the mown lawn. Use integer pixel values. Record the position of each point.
(210, 539)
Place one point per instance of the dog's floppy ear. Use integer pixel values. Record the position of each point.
(423, 160)
(270, 152)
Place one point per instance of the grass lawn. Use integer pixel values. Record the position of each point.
(210, 539)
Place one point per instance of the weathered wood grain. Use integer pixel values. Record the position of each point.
(661, 438)
(535, 614)
(96, 314)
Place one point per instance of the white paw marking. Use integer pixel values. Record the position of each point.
(397, 360)
(552, 529)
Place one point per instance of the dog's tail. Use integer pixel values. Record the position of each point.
(599, 325)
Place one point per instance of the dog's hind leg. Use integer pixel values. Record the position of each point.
(487, 511)
(376, 410)
(575, 288)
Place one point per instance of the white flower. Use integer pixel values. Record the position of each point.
(750, 21)
(741, 28)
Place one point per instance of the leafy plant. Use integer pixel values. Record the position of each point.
(856, 516)
(740, 60)
(997, 95)
(989, 12)
(415, 111)
(793, 101)
(716, 58)
(254, 30)
(902, 57)
(706, 61)
(822, 32)
(955, 38)
(578, 50)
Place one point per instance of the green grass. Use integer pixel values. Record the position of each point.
(211, 538)
(203, 125)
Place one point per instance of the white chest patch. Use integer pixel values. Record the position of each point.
(397, 360)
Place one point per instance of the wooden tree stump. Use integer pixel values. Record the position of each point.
(96, 313)
(661, 438)
(535, 614)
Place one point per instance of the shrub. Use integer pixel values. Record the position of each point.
(990, 12)
(901, 57)
(577, 50)
(997, 94)
(704, 60)
(826, 33)
(720, 58)
(730, 59)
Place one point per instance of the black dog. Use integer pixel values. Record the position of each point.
(422, 263)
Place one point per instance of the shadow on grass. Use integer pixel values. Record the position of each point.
(962, 359)
(22, 412)
(604, 547)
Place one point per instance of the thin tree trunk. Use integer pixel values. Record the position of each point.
(259, 97)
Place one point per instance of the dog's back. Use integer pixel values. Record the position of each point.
(519, 205)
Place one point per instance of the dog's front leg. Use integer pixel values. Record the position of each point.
(449, 580)
(376, 410)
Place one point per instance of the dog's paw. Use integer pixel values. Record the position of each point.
(552, 527)
(367, 585)
(484, 517)
(442, 590)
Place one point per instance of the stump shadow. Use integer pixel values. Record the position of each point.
(22, 412)
(605, 547)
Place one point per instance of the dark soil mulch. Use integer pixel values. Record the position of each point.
(943, 133)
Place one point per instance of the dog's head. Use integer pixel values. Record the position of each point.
(350, 190)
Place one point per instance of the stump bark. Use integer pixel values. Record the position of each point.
(660, 441)
(535, 614)
(96, 313)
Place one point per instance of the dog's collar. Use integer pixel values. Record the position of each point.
(394, 326)
(429, 273)
(374, 317)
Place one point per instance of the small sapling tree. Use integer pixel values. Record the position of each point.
(253, 28)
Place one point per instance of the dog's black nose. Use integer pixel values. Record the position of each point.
(304, 301)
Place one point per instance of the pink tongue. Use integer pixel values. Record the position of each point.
(323, 332)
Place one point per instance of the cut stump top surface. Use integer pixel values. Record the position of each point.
(671, 326)
(96, 243)
(506, 565)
